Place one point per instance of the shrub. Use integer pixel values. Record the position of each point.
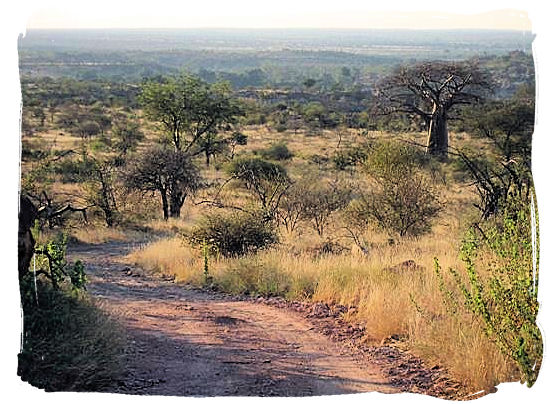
(89, 129)
(265, 180)
(403, 199)
(73, 170)
(69, 343)
(278, 151)
(404, 207)
(313, 201)
(51, 262)
(323, 199)
(234, 234)
(502, 284)
(251, 276)
(349, 158)
(318, 159)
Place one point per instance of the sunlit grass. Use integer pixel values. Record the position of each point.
(407, 303)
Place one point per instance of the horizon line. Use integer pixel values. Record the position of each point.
(270, 29)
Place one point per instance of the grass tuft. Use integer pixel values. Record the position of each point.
(70, 343)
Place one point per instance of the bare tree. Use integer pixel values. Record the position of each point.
(430, 90)
(312, 200)
(100, 187)
(322, 200)
(509, 126)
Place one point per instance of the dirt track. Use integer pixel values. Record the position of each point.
(189, 342)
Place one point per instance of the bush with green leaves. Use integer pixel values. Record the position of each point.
(68, 342)
(344, 159)
(501, 286)
(402, 198)
(234, 234)
(50, 261)
(73, 169)
(278, 151)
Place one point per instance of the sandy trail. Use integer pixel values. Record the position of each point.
(189, 342)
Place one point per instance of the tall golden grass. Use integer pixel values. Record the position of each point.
(407, 303)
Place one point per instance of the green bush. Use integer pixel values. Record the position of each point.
(278, 151)
(502, 283)
(344, 159)
(73, 170)
(402, 199)
(50, 261)
(234, 234)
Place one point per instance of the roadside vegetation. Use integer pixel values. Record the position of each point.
(69, 342)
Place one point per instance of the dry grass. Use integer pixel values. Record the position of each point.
(170, 256)
(71, 343)
(386, 302)
(99, 234)
(459, 342)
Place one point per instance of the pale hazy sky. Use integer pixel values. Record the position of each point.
(258, 14)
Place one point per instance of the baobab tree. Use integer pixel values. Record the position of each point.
(430, 90)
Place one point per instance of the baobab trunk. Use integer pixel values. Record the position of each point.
(438, 135)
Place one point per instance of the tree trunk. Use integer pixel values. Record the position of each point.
(176, 140)
(176, 202)
(207, 158)
(108, 203)
(438, 135)
(25, 243)
(164, 204)
(109, 217)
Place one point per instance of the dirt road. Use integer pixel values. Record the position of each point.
(184, 341)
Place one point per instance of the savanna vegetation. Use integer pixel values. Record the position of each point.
(408, 198)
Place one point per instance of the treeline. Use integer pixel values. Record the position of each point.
(286, 68)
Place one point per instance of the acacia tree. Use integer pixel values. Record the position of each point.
(236, 139)
(188, 109)
(265, 180)
(430, 90)
(170, 172)
(212, 145)
(126, 135)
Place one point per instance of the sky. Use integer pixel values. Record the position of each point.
(272, 14)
